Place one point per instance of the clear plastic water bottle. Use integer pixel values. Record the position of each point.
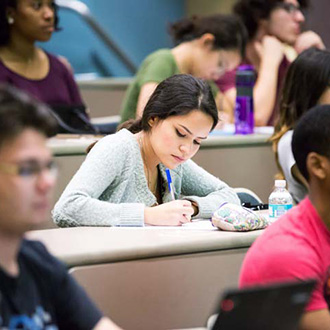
(244, 116)
(280, 201)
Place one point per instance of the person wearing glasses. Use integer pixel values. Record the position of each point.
(273, 27)
(36, 291)
(205, 47)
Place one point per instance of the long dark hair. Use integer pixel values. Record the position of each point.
(228, 30)
(5, 27)
(176, 96)
(306, 80)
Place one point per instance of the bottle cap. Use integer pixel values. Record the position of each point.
(280, 183)
(246, 67)
(245, 76)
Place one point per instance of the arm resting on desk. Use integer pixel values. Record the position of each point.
(92, 198)
(207, 191)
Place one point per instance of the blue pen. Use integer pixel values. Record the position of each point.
(170, 184)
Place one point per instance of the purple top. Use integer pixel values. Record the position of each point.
(227, 81)
(57, 88)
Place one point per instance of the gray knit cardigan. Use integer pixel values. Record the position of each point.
(110, 188)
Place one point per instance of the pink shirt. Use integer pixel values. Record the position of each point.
(296, 247)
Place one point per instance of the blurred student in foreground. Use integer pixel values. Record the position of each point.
(306, 85)
(273, 26)
(205, 47)
(36, 291)
(297, 246)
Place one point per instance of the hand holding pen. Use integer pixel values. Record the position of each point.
(171, 189)
(170, 184)
(173, 213)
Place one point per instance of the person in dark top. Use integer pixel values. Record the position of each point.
(46, 77)
(27, 66)
(36, 291)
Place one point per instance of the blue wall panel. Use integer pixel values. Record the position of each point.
(137, 26)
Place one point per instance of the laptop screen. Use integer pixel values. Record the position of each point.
(273, 307)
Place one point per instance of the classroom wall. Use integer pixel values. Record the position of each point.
(318, 19)
(206, 7)
(138, 27)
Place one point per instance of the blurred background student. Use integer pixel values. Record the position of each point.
(270, 25)
(24, 64)
(306, 85)
(205, 47)
(28, 67)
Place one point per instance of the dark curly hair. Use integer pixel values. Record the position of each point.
(228, 30)
(311, 134)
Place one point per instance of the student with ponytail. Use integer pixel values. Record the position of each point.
(205, 47)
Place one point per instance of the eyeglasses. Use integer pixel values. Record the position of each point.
(289, 7)
(30, 169)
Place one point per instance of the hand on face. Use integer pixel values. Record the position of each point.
(270, 49)
(174, 213)
(307, 40)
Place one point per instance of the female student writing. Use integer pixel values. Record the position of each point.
(205, 47)
(306, 85)
(123, 180)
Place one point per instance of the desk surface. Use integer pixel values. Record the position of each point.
(120, 83)
(76, 145)
(95, 245)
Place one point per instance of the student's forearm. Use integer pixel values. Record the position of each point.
(315, 320)
(226, 104)
(106, 324)
(264, 94)
(145, 93)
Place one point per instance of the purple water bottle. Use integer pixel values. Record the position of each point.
(244, 121)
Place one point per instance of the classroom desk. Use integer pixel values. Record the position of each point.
(241, 161)
(152, 277)
(104, 96)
